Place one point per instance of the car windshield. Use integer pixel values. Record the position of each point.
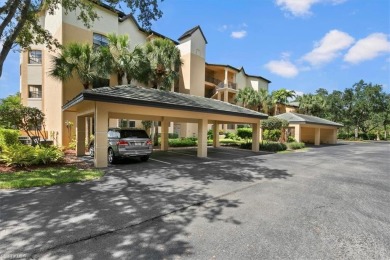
(133, 133)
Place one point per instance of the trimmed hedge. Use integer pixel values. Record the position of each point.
(267, 146)
(8, 137)
(295, 145)
(182, 142)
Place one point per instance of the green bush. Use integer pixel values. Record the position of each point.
(272, 135)
(182, 142)
(295, 145)
(18, 154)
(230, 135)
(244, 133)
(291, 139)
(273, 123)
(25, 155)
(173, 135)
(46, 155)
(267, 146)
(210, 134)
(8, 137)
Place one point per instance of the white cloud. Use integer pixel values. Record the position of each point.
(282, 68)
(238, 34)
(368, 48)
(329, 47)
(302, 7)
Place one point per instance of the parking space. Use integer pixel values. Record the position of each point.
(180, 156)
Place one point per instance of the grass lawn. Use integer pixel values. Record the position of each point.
(47, 177)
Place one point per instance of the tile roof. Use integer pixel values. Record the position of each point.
(190, 32)
(299, 118)
(140, 96)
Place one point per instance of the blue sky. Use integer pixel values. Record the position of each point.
(300, 45)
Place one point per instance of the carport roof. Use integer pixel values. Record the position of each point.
(306, 119)
(149, 97)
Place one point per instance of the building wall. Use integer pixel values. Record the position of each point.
(326, 136)
(307, 135)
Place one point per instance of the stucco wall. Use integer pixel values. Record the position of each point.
(307, 135)
(326, 136)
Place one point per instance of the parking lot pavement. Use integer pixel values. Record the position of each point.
(329, 202)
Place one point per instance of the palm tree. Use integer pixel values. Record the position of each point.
(281, 96)
(247, 97)
(80, 59)
(164, 60)
(119, 55)
(265, 101)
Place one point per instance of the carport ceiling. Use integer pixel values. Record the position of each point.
(148, 97)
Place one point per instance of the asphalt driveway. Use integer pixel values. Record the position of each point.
(327, 202)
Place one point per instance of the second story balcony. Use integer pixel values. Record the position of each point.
(213, 80)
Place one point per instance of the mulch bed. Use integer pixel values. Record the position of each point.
(70, 159)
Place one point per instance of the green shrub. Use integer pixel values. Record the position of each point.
(230, 135)
(210, 134)
(273, 146)
(295, 145)
(267, 146)
(46, 155)
(291, 139)
(18, 154)
(273, 123)
(25, 155)
(8, 137)
(244, 133)
(173, 135)
(272, 135)
(182, 142)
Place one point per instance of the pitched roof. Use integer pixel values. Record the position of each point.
(149, 97)
(254, 76)
(299, 118)
(190, 32)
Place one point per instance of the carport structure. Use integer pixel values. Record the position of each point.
(311, 129)
(156, 105)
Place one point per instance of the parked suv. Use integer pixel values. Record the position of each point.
(126, 142)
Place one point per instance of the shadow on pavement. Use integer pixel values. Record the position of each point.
(39, 220)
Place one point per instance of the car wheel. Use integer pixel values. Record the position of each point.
(111, 156)
(144, 158)
(91, 151)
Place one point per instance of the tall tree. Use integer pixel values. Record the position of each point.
(20, 23)
(8, 104)
(281, 96)
(265, 101)
(164, 60)
(248, 97)
(80, 59)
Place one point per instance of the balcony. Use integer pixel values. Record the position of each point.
(229, 85)
(212, 80)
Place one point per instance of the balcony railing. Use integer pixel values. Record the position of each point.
(229, 85)
(212, 80)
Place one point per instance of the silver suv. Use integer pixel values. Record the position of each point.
(126, 142)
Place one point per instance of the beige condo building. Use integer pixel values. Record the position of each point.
(197, 77)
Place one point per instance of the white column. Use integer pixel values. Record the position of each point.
(216, 134)
(80, 136)
(317, 136)
(334, 137)
(255, 137)
(226, 78)
(101, 129)
(164, 134)
(261, 134)
(202, 138)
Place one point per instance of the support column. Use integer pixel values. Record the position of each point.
(225, 99)
(219, 95)
(334, 137)
(297, 133)
(226, 78)
(202, 138)
(164, 134)
(255, 137)
(101, 129)
(216, 134)
(80, 136)
(317, 136)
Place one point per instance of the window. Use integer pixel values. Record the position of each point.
(126, 123)
(35, 57)
(231, 126)
(34, 91)
(99, 40)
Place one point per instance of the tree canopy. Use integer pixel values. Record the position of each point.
(20, 24)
